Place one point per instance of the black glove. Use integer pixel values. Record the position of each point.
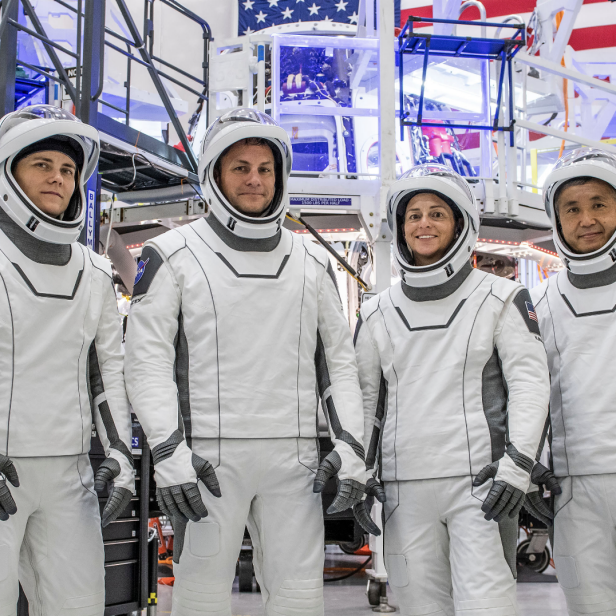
(503, 499)
(183, 502)
(534, 502)
(362, 510)
(118, 497)
(7, 471)
(349, 494)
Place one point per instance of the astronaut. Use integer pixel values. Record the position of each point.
(576, 309)
(234, 322)
(455, 384)
(62, 369)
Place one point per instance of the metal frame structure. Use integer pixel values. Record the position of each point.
(451, 46)
(159, 164)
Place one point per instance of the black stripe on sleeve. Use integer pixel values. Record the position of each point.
(149, 264)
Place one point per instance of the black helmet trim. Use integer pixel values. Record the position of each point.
(243, 244)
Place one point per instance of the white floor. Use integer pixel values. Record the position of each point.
(347, 598)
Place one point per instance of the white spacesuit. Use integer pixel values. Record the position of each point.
(61, 366)
(576, 310)
(234, 321)
(455, 386)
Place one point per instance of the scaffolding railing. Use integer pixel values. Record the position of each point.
(143, 44)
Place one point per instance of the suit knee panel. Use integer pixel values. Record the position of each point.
(488, 606)
(192, 599)
(429, 609)
(581, 605)
(299, 598)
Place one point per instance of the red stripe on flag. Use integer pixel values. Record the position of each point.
(498, 8)
(494, 8)
(420, 11)
(593, 38)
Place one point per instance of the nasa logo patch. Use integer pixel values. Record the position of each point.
(141, 270)
(146, 270)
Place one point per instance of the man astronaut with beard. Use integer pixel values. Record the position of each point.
(576, 310)
(61, 364)
(455, 384)
(234, 321)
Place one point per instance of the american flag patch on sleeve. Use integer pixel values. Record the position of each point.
(531, 312)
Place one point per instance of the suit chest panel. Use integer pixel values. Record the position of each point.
(583, 323)
(254, 324)
(53, 307)
(427, 340)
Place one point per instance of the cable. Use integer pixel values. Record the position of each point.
(132, 182)
(559, 18)
(348, 575)
(350, 271)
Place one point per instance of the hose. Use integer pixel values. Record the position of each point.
(348, 575)
(559, 18)
(350, 271)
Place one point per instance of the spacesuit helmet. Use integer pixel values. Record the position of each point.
(580, 163)
(455, 191)
(233, 126)
(20, 132)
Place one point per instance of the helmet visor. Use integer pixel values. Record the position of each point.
(49, 112)
(434, 169)
(236, 115)
(589, 155)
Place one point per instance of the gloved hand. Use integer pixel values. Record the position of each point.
(7, 471)
(183, 502)
(119, 497)
(505, 499)
(541, 478)
(362, 511)
(349, 494)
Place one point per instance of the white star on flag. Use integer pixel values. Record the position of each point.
(248, 30)
(248, 5)
(261, 17)
(328, 19)
(314, 9)
(287, 13)
(298, 1)
(341, 6)
(353, 18)
(273, 3)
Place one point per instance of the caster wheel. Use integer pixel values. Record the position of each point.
(537, 562)
(245, 573)
(352, 546)
(373, 592)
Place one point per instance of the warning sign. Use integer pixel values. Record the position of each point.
(306, 201)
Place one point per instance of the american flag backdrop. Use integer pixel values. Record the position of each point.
(258, 14)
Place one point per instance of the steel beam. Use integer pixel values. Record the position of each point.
(8, 53)
(561, 134)
(566, 73)
(6, 13)
(93, 61)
